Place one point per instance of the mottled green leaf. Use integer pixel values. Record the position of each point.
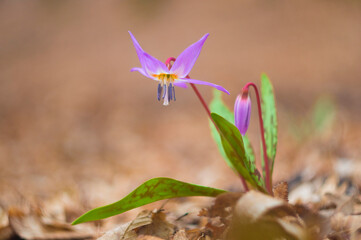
(218, 106)
(269, 115)
(249, 153)
(151, 191)
(233, 146)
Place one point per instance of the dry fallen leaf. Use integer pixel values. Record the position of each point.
(30, 226)
(159, 227)
(127, 230)
(260, 216)
(148, 237)
(5, 229)
(254, 205)
(62, 207)
(180, 235)
(222, 205)
(345, 227)
(147, 225)
(220, 213)
(198, 234)
(280, 191)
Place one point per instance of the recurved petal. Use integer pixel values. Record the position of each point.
(141, 70)
(220, 88)
(185, 61)
(180, 84)
(242, 113)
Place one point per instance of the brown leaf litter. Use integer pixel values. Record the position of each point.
(147, 225)
(46, 220)
(323, 208)
(32, 226)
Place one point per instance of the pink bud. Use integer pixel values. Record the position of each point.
(242, 111)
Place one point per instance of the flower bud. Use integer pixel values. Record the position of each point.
(242, 111)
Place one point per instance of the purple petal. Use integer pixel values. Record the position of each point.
(153, 65)
(180, 84)
(242, 113)
(185, 61)
(188, 80)
(141, 70)
(150, 64)
(138, 49)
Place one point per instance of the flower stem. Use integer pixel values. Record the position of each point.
(245, 186)
(268, 178)
(195, 89)
(205, 106)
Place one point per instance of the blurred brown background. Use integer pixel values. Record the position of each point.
(74, 118)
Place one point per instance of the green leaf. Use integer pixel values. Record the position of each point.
(218, 106)
(269, 115)
(249, 153)
(151, 191)
(233, 146)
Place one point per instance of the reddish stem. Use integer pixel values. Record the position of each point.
(195, 89)
(204, 104)
(245, 186)
(268, 179)
(201, 99)
(244, 183)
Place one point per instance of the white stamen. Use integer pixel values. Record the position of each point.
(166, 100)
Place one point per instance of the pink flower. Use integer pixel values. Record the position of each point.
(242, 111)
(176, 75)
